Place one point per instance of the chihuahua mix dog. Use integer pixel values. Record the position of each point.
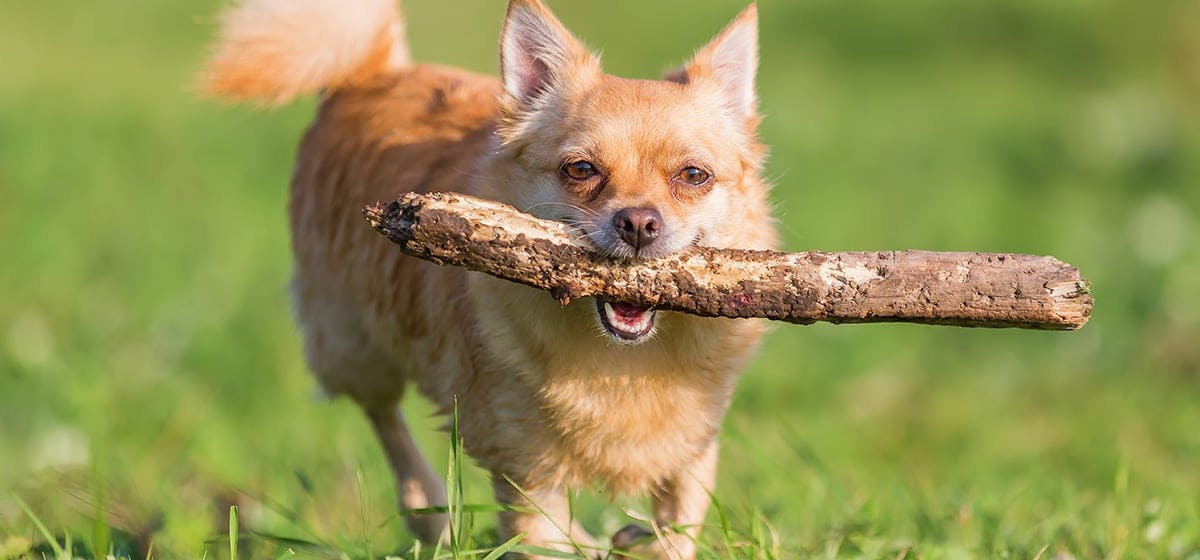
(549, 397)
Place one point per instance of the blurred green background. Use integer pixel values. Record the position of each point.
(150, 370)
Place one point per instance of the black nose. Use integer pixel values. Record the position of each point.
(639, 227)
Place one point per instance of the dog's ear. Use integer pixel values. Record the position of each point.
(728, 62)
(538, 54)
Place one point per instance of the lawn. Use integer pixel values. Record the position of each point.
(151, 376)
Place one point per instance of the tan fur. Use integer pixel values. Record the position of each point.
(543, 396)
(274, 50)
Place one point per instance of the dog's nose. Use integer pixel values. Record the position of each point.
(639, 227)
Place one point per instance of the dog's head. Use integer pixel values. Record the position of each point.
(643, 168)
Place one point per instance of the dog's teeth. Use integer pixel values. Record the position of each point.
(626, 325)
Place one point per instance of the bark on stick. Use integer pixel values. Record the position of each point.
(963, 289)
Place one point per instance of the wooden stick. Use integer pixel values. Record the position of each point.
(963, 289)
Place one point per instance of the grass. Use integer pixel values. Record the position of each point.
(150, 375)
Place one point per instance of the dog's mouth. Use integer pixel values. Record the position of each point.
(626, 322)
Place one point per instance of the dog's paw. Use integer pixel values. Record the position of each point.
(631, 535)
(636, 542)
(430, 528)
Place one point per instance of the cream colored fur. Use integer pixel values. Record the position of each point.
(545, 397)
(273, 50)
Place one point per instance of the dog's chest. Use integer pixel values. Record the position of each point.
(632, 432)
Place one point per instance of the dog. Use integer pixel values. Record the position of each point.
(549, 397)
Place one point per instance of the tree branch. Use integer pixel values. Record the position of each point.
(963, 289)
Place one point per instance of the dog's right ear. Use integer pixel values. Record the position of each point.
(538, 54)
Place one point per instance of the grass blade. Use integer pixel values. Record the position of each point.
(564, 531)
(233, 532)
(727, 536)
(50, 540)
(101, 534)
(540, 551)
(362, 513)
(500, 550)
(455, 487)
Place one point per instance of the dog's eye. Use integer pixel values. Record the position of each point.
(580, 170)
(693, 176)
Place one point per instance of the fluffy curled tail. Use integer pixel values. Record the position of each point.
(271, 51)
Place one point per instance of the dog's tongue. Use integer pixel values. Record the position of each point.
(628, 311)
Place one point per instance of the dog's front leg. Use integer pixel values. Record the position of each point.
(679, 510)
(543, 515)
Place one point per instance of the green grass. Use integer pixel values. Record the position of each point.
(151, 377)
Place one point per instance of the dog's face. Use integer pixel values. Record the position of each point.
(643, 168)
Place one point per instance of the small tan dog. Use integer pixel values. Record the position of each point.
(552, 397)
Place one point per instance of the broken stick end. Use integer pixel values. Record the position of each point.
(374, 214)
(1071, 299)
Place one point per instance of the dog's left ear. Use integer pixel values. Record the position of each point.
(728, 62)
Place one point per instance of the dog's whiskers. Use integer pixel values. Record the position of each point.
(585, 210)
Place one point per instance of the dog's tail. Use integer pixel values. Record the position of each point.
(271, 51)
